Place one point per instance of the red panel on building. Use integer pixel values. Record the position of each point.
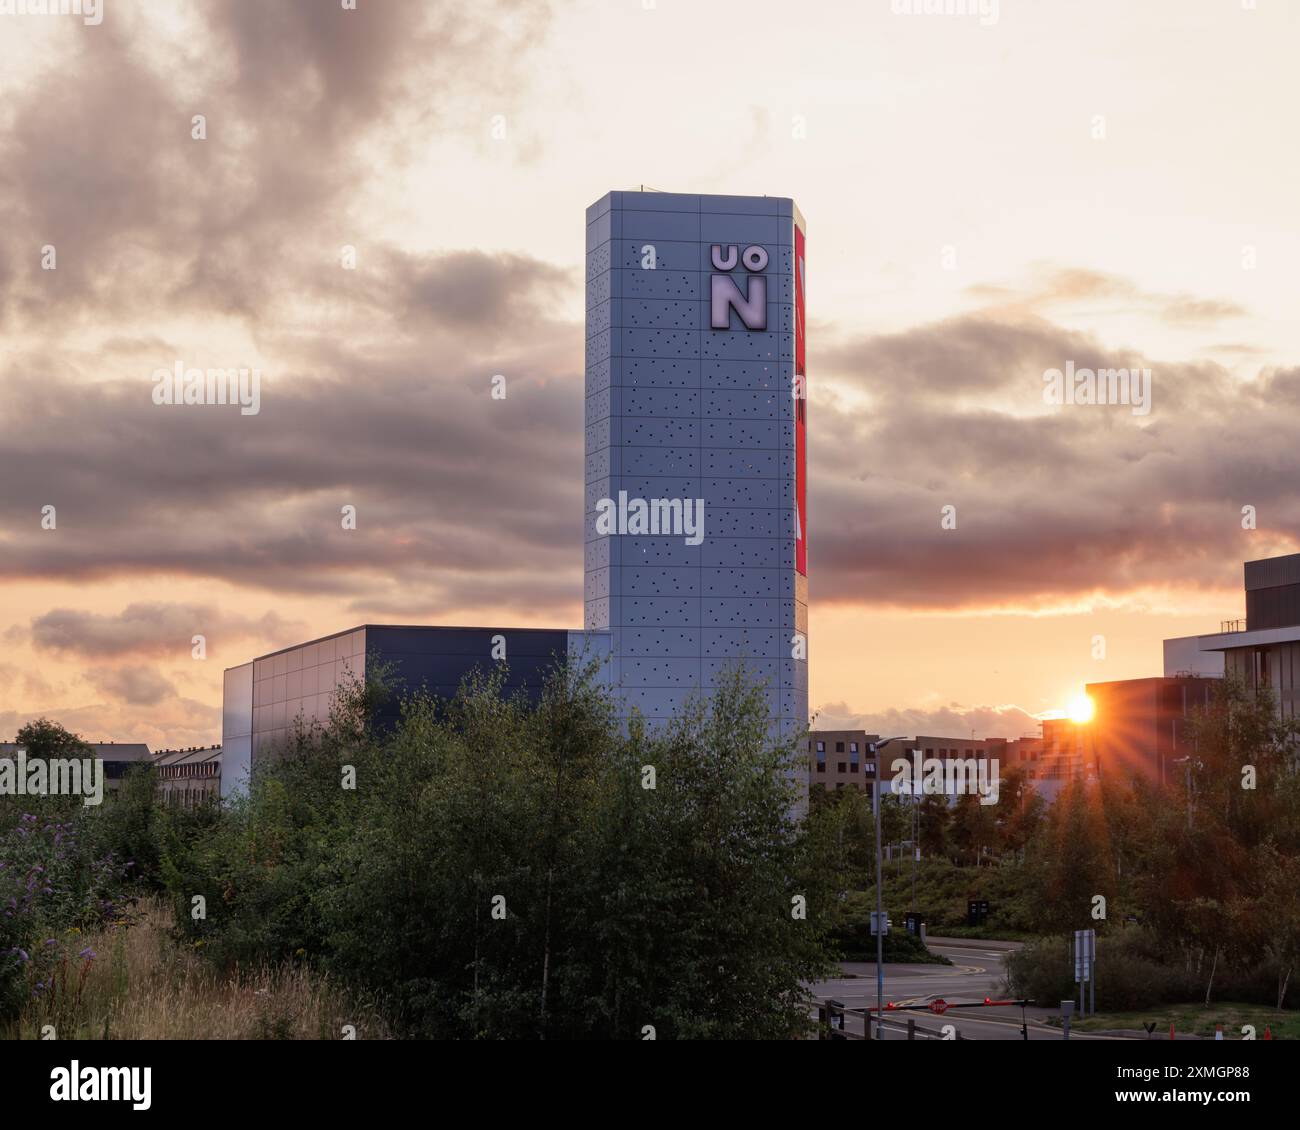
(800, 411)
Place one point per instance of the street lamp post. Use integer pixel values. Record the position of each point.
(875, 747)
(916, 847)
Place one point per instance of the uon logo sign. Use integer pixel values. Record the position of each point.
(725, 294)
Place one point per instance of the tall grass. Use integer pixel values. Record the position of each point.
(140, 985)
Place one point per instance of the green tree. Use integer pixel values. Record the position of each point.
(1019, 810)
(45, 739)
(974, 828)
(935, 819)
(1070, 860)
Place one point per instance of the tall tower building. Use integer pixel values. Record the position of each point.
(696, 410)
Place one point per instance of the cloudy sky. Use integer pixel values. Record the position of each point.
(1088, 181)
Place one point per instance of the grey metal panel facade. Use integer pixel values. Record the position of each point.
(678, 410)
(300, 683)
(1272, 571)
(236, 728)
(265, 699)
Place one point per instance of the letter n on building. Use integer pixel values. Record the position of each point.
(751, 306)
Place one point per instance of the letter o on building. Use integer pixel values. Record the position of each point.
(755, 258)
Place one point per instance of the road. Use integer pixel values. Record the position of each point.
(976, 972)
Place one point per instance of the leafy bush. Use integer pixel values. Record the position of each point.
(1132, 972)
(68, 868)
(52, 882)
(509, 870)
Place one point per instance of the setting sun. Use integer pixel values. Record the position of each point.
(1081, 709)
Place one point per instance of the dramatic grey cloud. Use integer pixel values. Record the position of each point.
(1051, 501)
(376, 381)
(153, 629)
(301, 101)
(135, 685)
(465, 499)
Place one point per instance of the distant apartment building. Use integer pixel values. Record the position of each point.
(188, 778)
(839, 758)
(1064, 755)
(1027, 753)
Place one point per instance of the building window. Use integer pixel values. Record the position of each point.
(840, 768)
(839, 747)
(821, 747)
(821, 767)
(853, 747)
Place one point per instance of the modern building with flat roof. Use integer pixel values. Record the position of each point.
(696, 492)
(1141, 728)
(1263, 650)
(266, 698)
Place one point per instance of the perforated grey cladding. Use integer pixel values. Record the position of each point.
(677, 410)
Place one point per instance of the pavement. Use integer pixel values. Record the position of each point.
(976, 972)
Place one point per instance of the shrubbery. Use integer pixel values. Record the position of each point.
(501, 870)
(1132, 972)
(57, 879)
(494, 868)
(68, 869)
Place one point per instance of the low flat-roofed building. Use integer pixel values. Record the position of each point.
(1141, 727)
(265, 698)
(118, 758)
